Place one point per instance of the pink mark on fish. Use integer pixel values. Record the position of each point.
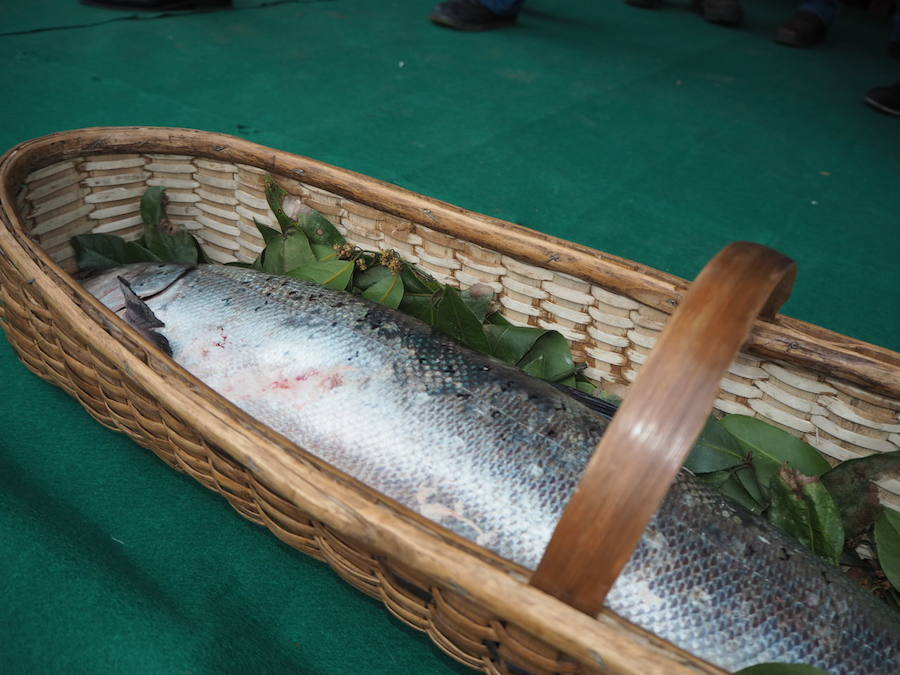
(332, 381)
(223, 338)
(324, 381)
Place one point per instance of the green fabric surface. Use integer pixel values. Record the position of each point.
(649, 135)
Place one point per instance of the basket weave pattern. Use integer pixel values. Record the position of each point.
(610, 332)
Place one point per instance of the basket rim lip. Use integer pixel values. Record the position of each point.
(863, 365)
(503, 583)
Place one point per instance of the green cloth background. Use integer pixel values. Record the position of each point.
(650, 135)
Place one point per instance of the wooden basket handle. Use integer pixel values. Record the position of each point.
(659, 421)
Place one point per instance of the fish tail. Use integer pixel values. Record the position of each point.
(139, 315)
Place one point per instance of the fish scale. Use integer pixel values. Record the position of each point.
(494, 455)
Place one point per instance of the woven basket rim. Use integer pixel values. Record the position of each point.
(343, 503)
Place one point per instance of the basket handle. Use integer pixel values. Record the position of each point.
(658, 422)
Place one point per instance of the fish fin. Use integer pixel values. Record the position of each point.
(139, 315)
(599, 405)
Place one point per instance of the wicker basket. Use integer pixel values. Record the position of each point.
(837, 393)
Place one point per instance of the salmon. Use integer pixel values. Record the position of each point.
(494, 455)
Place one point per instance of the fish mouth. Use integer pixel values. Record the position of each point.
(147, 280)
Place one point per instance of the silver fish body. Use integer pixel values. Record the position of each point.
(494, 455)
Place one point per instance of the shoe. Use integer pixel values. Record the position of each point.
(469, 15)
(645, 4)
(157, 5)
(885, 99)
(720, 12)
(804, 29)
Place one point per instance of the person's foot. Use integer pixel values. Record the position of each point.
(720, 12)
(803, 29)
(885, 99)
(645, 4)
(469, 15)
(157, 5)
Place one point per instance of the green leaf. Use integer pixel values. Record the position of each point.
(729, 485)
(585, 385)
(273, 256)
(284, 252)
(549, 359)
(887, 544)
(153, 208)
(455, 319)
(269, 234)
(856, 495)
(317, 227)
(297, 251)
(892, 597)
(510, 343)
(568, 381)
(323, 252)
(715, 449)
(101, 251)
(201, 254)
(770, 447)
(416, 281)
(802, 507)
(388, 291)
(333, 273)
(610, 397)
(781, 669)
(372, 276)
(479, 301)
(275, 197)
(497, 319)
(319, 230)
(746, 476)
(153, 212)
(237, 263)
(420, 305)
(180, 247)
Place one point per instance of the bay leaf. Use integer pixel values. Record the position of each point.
(802, 507)
(332, 273)
(549, 359)
(716, 449)
(452, 317)
(770, 447)
(887, 544)
(388, 291)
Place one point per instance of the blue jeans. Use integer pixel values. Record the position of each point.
(502, 6)
(827, 10)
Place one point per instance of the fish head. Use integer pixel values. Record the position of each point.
(145, 279)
